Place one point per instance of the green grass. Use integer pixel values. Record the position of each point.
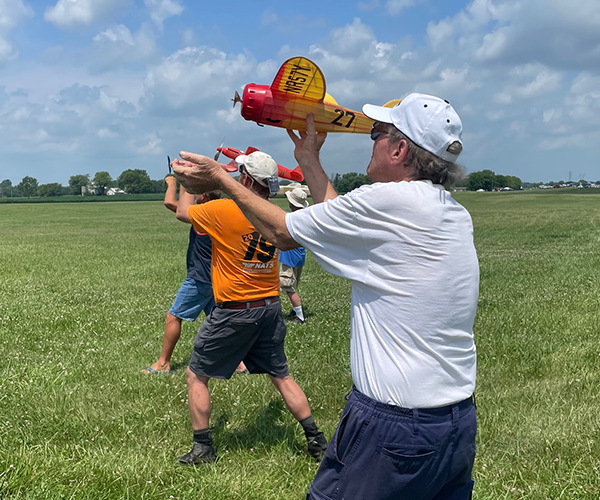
(85, 288)
(84, 199)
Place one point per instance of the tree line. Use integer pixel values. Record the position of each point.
(132, 181)
(486, 179)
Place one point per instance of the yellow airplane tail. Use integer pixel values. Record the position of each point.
(393, 103)
(330, 100)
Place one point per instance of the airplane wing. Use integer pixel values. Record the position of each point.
(392, 104)
(299, 77)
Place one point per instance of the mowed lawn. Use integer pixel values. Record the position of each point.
(84, 290)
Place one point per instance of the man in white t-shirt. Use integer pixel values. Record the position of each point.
(408, 428)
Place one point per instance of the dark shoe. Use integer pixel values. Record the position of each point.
(317, 446)
(200, 453)
(292, 317)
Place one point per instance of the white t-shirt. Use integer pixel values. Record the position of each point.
(408, 249)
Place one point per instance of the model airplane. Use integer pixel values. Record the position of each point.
(299, 89)
(285, 173)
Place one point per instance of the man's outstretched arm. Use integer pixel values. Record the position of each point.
(171, 195)
(200, 174)
(186, 200)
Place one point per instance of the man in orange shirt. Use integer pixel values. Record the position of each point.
(247, 323)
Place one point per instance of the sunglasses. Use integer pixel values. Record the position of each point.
(376, 133)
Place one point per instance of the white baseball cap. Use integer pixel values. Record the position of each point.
(428, 121)
(297, 197)
(262, 168)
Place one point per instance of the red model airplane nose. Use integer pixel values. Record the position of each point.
(254, 100)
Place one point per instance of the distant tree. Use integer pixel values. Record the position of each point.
(52, 189)
(77, 181)
(335, 179)
(101, 181)
(488, 180)
(347, 182)
(513, 182)
(135, 181)
(5, 187)
(481, 180)
(500, 181)
(159, 186)
(28, 186)
(462, 182)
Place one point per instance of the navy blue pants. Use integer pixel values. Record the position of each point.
(383, 452)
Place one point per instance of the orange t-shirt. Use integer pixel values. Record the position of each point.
(244, 264)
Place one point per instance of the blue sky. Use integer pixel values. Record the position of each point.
(90, 85)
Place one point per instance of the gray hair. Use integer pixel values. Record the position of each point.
(428, 166)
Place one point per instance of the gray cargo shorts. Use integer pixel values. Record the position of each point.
(255, 336)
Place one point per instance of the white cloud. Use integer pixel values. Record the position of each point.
(544, 82)
(191, 79)
(119, 33)
(69, 13)
(7, 50)
(118, 46)
(147, 145)
(106, 132)
(494, 45)
(397, 6)
(552, 32)
(290, 23)
(12, 13)
(162, 9)
(583, 100)
(368, 5)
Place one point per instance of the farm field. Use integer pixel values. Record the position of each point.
(84, 290)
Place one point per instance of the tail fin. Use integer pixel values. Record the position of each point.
(292, 175)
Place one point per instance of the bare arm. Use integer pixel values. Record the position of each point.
(171, 195)
(307, 147)
(200, 174)
(186, 200)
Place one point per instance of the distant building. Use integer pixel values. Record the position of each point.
(113, 191)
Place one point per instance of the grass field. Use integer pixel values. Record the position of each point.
(83, 296)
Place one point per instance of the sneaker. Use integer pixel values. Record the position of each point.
(200, 453)
(292, 317)
(317, 446)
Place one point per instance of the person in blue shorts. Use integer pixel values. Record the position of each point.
(292, 261)
(195, 294)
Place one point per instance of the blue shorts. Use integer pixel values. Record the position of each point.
(383, 452)
(192, 298)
